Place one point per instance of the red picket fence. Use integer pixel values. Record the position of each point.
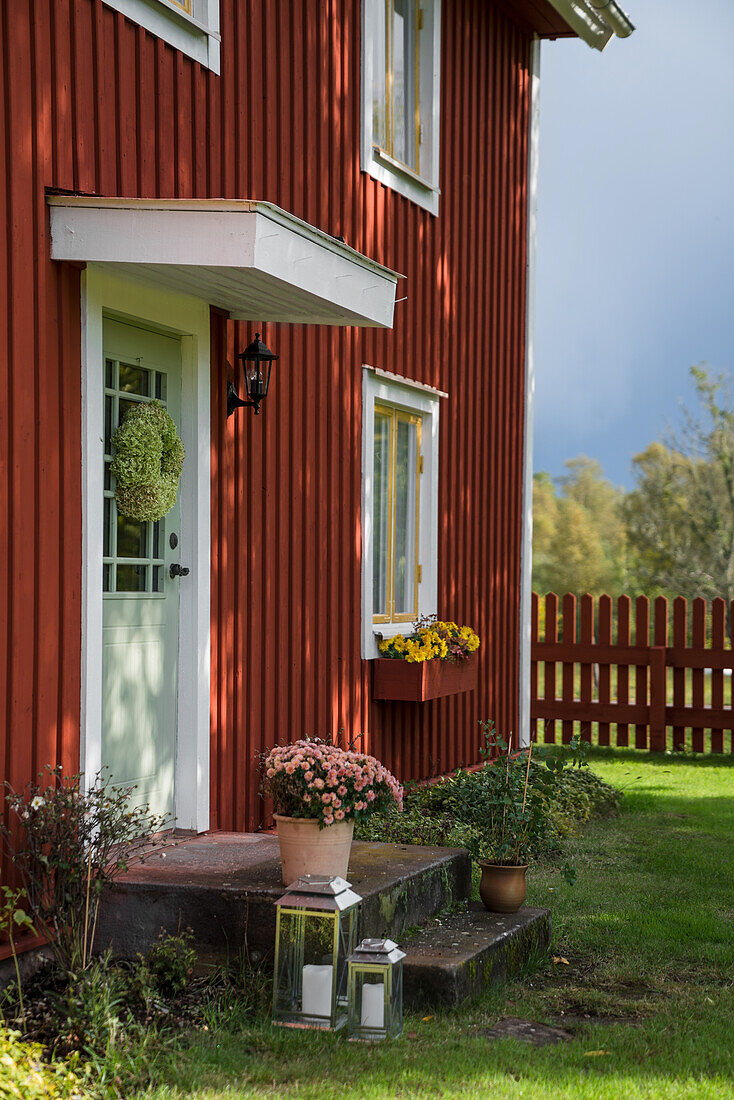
(609, 667)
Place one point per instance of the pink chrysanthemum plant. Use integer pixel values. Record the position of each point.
(313, 779)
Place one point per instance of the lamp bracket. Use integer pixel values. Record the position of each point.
(234, 401)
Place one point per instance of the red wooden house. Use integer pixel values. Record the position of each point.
(352, 179)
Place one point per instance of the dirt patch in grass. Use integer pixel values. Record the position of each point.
(527, 1031)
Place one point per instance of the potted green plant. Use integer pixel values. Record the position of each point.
(436, 659)
(506, 803)
(319, 791)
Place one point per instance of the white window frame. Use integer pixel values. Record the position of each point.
(383, 388)
(196, 35)
(422, 189)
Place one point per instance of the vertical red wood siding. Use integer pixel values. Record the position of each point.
(94, 103)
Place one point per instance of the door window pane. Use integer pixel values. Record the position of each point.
(406, 496)
(133, 379)
(381, 513)
(132, 538)
(131, 578)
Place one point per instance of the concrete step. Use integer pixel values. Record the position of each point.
(223, 885)
(461, 955)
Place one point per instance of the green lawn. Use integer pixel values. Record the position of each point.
(648, 932)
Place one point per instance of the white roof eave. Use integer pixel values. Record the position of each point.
(251, 259)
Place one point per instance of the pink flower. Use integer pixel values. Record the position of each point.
(339, 815)
(341, 790)
(308, 776)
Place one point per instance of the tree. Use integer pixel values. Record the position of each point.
(680, 517)
(578, 535)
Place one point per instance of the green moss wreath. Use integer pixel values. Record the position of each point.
(148, 460)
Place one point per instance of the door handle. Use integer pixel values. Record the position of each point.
(177, 570)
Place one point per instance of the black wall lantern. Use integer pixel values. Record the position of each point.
(257, 360)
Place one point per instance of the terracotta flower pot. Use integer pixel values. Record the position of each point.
(307, 850)
(502, 889)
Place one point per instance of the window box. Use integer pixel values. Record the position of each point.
(418, 681)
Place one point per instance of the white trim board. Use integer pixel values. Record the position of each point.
(195, 35)
(526, 541)
(104, 294)
(251, 259)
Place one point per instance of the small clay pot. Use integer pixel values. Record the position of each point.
(502, 889)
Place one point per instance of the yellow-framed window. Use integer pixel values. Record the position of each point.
(396, 89)
(396, 515)
(185, 5)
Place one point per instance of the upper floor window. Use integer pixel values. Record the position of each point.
(399, 505)
(191, 26)
(400, 96)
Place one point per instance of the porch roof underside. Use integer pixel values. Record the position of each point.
(251, 259)
(538, 16)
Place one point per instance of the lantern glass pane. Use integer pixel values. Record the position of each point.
(369, 1003)
(306, 964)
(396, 1005)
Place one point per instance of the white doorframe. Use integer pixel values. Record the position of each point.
(186, 317)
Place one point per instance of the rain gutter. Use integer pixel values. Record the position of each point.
(596, 21)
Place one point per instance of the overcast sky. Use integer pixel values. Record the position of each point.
(635, 230)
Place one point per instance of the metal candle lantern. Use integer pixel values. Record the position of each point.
(375, 975)
(315, 933)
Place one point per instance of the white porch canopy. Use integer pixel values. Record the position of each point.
(251, 259)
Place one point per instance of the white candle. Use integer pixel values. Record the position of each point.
(317, 990)
(373, 1005)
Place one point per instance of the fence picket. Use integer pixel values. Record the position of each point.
(533, 663)
(549, 672)
(586, 680)
(623, 672)
(698, 675)
(605, 674)
(680, 641)
(718, 641)
(731, 679)
(659, 742)
(642, 638)
(568, 690)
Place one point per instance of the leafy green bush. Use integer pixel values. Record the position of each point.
(25, 1075)
(488, 811)
(170, 963)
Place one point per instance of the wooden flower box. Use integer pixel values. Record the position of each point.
(395, 679)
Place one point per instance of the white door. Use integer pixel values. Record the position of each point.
(141, 599)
